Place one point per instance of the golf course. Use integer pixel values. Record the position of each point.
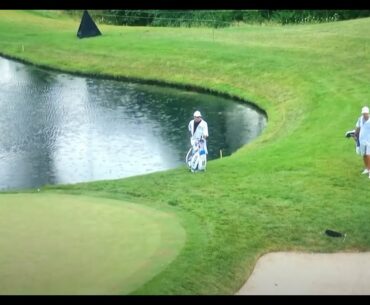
(178, 233)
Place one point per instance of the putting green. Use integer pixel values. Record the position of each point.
(65, 244)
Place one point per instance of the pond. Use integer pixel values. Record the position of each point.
(57, 128)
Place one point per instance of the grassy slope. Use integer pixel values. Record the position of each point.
(282, 191)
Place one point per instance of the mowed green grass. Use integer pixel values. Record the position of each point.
(278, 193)
(64, 244)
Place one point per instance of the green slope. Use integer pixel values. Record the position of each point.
(280, 192)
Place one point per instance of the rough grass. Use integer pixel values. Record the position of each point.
(278, 193)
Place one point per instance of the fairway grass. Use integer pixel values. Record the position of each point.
(280, 192)
(63, 244)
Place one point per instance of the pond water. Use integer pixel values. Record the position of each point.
(57, 128)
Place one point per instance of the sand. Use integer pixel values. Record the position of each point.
(286, 273)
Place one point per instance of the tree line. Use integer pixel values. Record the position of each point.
(218, 18)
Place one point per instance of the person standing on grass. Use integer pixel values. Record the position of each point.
(198, 129)
(362, 133)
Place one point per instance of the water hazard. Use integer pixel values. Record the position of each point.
(56, 128)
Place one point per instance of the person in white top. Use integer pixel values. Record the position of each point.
(198, 129)
(362, 133)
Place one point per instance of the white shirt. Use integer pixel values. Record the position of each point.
(360, 122)
(364, 136)
(201, 131)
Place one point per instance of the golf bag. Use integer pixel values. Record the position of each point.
(196, 158)
(351, 134)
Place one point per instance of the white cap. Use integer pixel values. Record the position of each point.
(365, 109)
(197, 113)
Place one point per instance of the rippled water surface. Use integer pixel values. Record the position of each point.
(57, 128)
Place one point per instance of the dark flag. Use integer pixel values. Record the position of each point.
(87, 27)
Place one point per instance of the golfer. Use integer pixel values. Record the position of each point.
(363, 134)
(198, 129)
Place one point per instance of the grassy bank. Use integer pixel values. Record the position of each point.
(300, 177)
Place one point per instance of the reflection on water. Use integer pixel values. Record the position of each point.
(58, 128)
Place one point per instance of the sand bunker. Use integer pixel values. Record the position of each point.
(286, 273)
